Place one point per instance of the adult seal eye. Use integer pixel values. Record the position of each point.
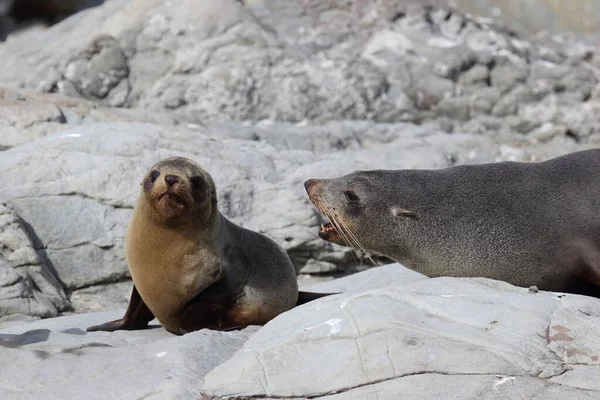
(196, 182)
(154, 175)
(351, 196)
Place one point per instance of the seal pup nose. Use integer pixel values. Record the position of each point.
(171, 180)
(310, 184)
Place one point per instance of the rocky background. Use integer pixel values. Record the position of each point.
(265, 94)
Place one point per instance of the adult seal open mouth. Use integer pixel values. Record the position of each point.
(191, 267)
(528, 224)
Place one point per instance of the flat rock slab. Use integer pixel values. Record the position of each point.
(483, 337)
(395, 332)
(57, 359)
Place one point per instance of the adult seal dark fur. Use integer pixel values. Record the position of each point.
(191, 267)
(523, 223)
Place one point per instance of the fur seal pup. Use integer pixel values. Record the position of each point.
(528, 224)
(191, 267)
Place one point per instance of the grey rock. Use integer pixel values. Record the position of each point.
(370, 279)
(595, 95)
(29, 288)
(507, 76)
(390, 331)
(96, 298)
(98, 68)
(223, 72)
(582, 120)
(451, 63)
(477, 75)
(545, 111)
(26, 115)
(428, 91)
(40, 360)
(259, 170)
(548, 71)
(455, 108)
(442, 124)
(580, 80)
(229, 60)
(482, 99)
(431, 386)
(483, 124)
(408, 335)
(510, 102)
(548, 131)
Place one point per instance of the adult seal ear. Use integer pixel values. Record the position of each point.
(191, 267)
(528, 224)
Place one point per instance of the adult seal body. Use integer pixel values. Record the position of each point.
(523, 223)
(191, 267)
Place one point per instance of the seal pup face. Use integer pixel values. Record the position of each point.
(176, 187)
(360, 209)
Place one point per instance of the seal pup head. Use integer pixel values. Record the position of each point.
(361, 209)
(176, 188)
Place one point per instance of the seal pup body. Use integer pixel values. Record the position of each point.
(523, 223)
(191, 267)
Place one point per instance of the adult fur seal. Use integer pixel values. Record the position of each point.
(191, 267)
(522, 223)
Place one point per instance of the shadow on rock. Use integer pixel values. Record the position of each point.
(30, 337)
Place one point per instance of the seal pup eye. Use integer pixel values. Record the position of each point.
(153, 175)
(196, 182)
(351, 196)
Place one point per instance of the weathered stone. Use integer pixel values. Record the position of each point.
(582, 120)
(477, 75)
(151, 363)
(359, 332)
(28, 286)
(548, 131)
(507, 76)
(455, 108)
(580, 80)
(510, 102)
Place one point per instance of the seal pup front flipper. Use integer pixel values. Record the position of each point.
(137, 316)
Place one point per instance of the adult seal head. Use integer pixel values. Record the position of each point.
(191, 267)
(522, 223)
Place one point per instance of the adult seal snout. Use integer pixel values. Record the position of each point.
(528, 224)
(191, 267)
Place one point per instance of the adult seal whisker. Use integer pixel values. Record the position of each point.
(525, 223)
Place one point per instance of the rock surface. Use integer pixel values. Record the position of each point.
(82, 184)
(220, 60)
(266, 94)
(432, 338)
(58, 359)
(391, 331)
(29, 288)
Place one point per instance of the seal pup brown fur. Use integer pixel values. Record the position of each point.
(528, 224)
(191, 267)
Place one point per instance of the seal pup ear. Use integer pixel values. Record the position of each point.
(403, 212)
